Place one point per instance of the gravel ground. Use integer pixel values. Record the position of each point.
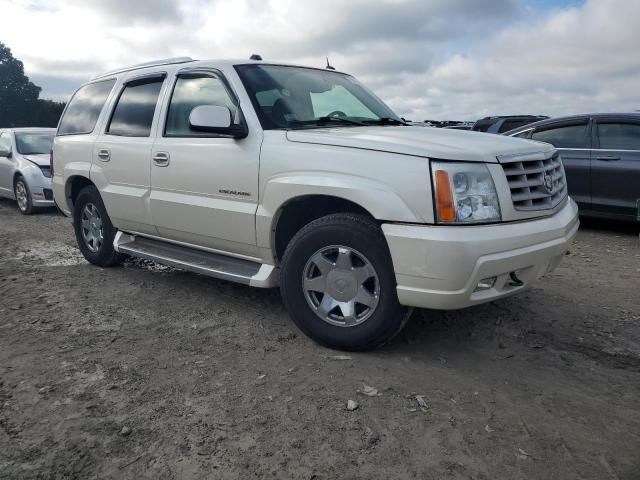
(143, 371)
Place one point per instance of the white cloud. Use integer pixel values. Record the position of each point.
(437, 59)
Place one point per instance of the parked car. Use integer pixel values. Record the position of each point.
(24, 167)
(601, 155)
(502, 124)
(273, 174)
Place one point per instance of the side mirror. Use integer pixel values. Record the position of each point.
(215, 119)
(5, 153)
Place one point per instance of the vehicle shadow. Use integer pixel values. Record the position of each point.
(7, 203)
(607, 225)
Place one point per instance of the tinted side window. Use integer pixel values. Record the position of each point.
(619, 136)
(84, 109)
(483, 125)
(512, 124)
(570, 136)
(133, 114)
(5, 141)
(192, 91)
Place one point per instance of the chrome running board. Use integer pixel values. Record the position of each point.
(206, 263)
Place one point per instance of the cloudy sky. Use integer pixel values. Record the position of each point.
(440, 59)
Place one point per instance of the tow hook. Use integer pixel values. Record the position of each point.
(515, 281)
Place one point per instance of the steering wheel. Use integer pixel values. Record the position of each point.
(337, 113)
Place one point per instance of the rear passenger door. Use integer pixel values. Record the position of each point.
(573, 140)
(615, 172)
(204, 186)
(122, 153)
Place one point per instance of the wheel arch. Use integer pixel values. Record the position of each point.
(323, 193)
(73, 187)
(299, 211)
(17, 174)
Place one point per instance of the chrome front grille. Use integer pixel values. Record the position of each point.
(537, 181)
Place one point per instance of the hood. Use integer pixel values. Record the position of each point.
(442, 143)
(42, 160)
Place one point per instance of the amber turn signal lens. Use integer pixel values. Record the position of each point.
(444, 197)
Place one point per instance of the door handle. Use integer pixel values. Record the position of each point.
(161, 159)
(608, 158)
(104, 155)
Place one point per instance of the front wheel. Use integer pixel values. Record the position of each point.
(23, 196)
(338, 283)
(94, 230)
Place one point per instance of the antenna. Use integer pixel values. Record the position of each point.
(329, 67)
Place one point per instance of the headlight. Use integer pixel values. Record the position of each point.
(464, 193)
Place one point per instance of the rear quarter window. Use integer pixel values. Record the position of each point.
(83, 111)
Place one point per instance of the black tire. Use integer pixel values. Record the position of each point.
(105, 255)
(28, 208)
(363, 235)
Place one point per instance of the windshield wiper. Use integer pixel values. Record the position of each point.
(387, 121)
(319, 122)
(322, 120)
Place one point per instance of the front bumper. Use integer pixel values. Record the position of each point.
(439, 267)
(39, 187)
(42, 197)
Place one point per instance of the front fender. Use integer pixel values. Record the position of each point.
(375, 197)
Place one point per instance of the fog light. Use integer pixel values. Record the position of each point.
(486, 284)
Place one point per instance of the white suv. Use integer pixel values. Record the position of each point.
(271, 174)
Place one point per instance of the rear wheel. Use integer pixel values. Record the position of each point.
(338, 283)
(94, 230)
(23, 196)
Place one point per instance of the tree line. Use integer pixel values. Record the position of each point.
(19, 102)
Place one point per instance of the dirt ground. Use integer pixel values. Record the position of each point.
(142, 371)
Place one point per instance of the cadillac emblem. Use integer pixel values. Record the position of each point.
(547, 183)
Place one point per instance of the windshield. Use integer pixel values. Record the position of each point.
(34, 143)
(296, 97)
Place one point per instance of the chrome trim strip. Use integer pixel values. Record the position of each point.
(154, 63)
(526, 157)
(598, 150)
(521, 132)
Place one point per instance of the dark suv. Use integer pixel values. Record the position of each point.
(601, 156)
(505, 123)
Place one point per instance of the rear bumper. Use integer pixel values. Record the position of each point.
(439, 267)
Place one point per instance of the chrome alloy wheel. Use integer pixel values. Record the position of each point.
(22, 196)
(341, 286)
(91, 227)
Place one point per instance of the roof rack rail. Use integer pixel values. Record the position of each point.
(153, 63)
